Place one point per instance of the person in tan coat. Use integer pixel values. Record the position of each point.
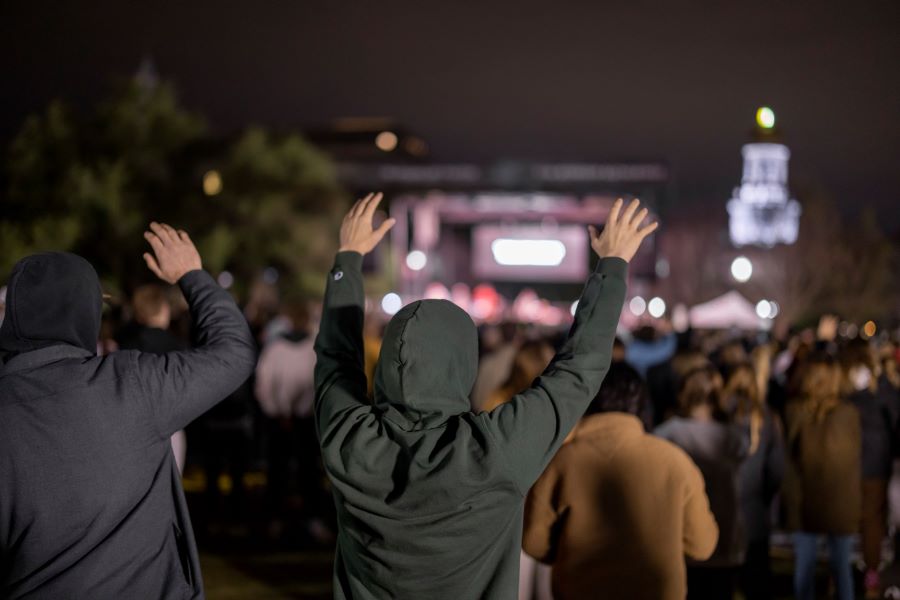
(617, 509)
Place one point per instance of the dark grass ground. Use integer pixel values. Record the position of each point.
(243, 558)
(244, 570)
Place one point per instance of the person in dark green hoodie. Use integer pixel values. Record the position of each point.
(429, 494)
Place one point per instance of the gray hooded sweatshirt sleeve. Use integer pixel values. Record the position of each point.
(91, 504)
(430, 495)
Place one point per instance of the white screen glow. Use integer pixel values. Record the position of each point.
(530, 253)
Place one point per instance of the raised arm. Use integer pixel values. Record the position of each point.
(532, 426)
(180, 386)
(340, 378)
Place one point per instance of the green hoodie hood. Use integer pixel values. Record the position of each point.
(427, 365)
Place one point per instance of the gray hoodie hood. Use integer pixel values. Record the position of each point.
(53, 298)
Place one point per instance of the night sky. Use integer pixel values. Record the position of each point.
(482, 81)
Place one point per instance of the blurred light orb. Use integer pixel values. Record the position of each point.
(656, 307)
(637, 306)
(763, 309)
(391, 303)
(765, 117)
(844, 329)
(386, 141)
(437, 291)
(741, 269)
(225, 279)
(869, 329)
(416, 260)
(270, 275)
(212, 183)
(681, 318)
(663, 269)
(416, 146)
(774, 309)
(573, 308)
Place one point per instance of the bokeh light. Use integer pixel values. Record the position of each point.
(416, 260)
(765, 117)
(225, 279)
(391, 303)
(637, 306)
(741, 269)
(869, 329)
(212, 183)
(386, 141)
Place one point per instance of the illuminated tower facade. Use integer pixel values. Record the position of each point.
(761, 211)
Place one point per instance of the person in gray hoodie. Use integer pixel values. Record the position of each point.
(91, 504)
(429, 494)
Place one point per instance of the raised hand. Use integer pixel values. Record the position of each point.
(622, 235)
(357, 234)
(175, 254)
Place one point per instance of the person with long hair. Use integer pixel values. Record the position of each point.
(862, 385)
(718, 448)
(823, 479)
(761, 474)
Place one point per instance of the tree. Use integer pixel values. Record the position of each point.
(279, 207)
(838, 265)
(91, 185)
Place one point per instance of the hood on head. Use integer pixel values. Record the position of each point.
(428, 362)
(52, 298)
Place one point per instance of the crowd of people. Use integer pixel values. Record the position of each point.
(797, 435)
(429, 452)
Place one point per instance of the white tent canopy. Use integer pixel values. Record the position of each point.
(729, 311)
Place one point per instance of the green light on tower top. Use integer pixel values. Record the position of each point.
(765, 117)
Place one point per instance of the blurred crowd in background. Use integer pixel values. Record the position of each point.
(755, 413)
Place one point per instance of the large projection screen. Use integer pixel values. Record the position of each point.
(530, 253)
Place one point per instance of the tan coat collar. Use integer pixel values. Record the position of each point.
(616, 424)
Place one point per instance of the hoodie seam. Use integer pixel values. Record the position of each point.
(402, 341)
(149, 405)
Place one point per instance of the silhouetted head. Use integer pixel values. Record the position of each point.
(427, 365)
(622, 391)
(644, 333)
(701, 387)
(819, 384)
(52, 298)
(530, 360)
(151, 306)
